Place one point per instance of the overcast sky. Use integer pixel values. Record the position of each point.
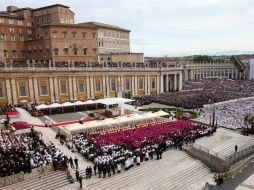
(169, 27)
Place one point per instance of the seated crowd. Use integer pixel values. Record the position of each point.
(189, 99)
(230, 115)
(130, 144)
(197, 93)
(22, 153)
(243, 86)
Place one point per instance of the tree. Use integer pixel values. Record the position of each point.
(203, 58)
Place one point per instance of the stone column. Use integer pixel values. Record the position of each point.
(88, 92)
(180, 87)
(70, 89)
(36, 92)
(191, 74)
(31, 89)
(104, 89)
(56, 89)
(8, 91)
(145, 84)
(167, 89)
(92, 87)
(186, 74)
(51, 87)
(74, 84)
(161, 84)
(175, 82)
(122, 85)
(158, 84)
(118, 83)
(136, 85)
(108, 84)
(133, 85)
(14, 91)
(148, 85)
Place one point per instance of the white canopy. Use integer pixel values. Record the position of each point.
(54, 105)
(113, 121)
(112, 101)
(89, 102)
(41, 106)
(78, 103)
(66, 104)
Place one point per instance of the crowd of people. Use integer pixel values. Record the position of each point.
(108, 64)
(22, 153)
(127, 145)
(241, 86)
(201, 92)
(229, 115)
(190, 99)
(7, 108)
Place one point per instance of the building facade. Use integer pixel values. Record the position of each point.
(50, 33)
(71, 82)
(46, 57)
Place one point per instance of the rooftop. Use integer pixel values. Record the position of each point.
(102, 25)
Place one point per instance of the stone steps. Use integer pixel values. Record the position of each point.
(49, 181)
(156, 174)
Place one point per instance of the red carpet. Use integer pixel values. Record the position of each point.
(19, 125)
(64, 123)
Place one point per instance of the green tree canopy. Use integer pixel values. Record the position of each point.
(203, 58)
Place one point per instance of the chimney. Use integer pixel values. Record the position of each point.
(12, 8)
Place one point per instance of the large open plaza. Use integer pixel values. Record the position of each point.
(87, 103)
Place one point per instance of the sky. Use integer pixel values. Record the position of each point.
(169, 27)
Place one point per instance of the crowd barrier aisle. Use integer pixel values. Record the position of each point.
(9, 180)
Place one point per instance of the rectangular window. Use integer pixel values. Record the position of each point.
(5, 53)
(20, 22)
(81, 87)
(63, 89)
(12, 29)
(14, 53)
(113, 86)
(22, 91)
(13, 38)
(141, 84)
(65, 35)
(44, 90)
(56, 51)
(29, 23)
(94, 51)
(98, 87)
(94, 35)
(74, 35)
(3, 37)
(29, 32)
(11, 21)
(54, 35)
(21, 38)
(153, 85)
(1, 92)
(84, 34)
(85, 51)
(1, 20)
(127, 84)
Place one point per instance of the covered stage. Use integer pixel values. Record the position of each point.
(112, 122)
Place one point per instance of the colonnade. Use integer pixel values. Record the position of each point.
(58, 86)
